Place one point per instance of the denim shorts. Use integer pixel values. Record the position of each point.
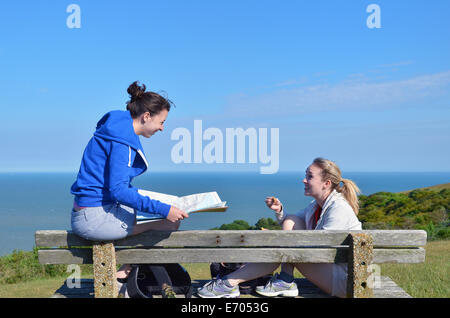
(103, 223)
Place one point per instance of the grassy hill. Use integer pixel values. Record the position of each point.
(425, 208)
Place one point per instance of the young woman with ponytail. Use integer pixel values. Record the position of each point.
(105, 202)
(335, 207)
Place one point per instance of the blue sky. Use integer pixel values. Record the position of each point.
(369, 99)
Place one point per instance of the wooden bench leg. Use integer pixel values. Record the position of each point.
(359, 259)
(104, 259)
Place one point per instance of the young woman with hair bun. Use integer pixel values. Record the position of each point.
(105, 202)
(335, 207)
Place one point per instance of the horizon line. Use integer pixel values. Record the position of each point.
(227, 171)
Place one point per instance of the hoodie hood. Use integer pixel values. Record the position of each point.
(117, 126)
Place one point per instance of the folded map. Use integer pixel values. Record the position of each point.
(200, 202)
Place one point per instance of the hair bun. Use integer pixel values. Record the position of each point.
(136, 91)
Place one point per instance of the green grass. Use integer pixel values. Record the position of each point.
(426, 280)
(430, 279)
(38, 288)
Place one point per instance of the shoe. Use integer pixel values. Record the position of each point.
(167, 291)
(217, 289)
(277, 287)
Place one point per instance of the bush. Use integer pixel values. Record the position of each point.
(266, 223)
(236, 225)
(24, 266)
(443, 233)
(419, 209)
(21, 265)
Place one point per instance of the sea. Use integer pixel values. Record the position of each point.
(42, 201)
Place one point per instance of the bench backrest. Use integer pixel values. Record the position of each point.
(389, 246)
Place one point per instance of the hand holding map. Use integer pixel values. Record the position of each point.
(200, 202)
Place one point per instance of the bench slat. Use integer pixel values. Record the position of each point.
(207, 255)
(239, 238)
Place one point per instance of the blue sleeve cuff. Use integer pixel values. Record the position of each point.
(164, 209)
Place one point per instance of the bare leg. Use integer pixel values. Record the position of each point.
(320, 275)
(163, 225)
(291, 222)
(251, 271)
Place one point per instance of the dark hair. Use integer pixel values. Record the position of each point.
(142, 101)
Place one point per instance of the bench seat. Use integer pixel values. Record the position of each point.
(359, 249)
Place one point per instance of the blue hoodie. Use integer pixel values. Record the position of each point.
(112, 158)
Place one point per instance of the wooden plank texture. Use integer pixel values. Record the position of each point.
(207, 255)
(210, 238)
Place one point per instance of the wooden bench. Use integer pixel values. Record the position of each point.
(360, 249)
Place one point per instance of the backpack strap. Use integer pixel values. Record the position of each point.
(132, 285)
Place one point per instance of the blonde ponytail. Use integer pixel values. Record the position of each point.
(349, 189)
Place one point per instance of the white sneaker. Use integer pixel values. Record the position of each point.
(277, 287)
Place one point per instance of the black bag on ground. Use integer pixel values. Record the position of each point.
(146, 280)
(222, 269)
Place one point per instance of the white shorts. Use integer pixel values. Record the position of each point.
(103, 223)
